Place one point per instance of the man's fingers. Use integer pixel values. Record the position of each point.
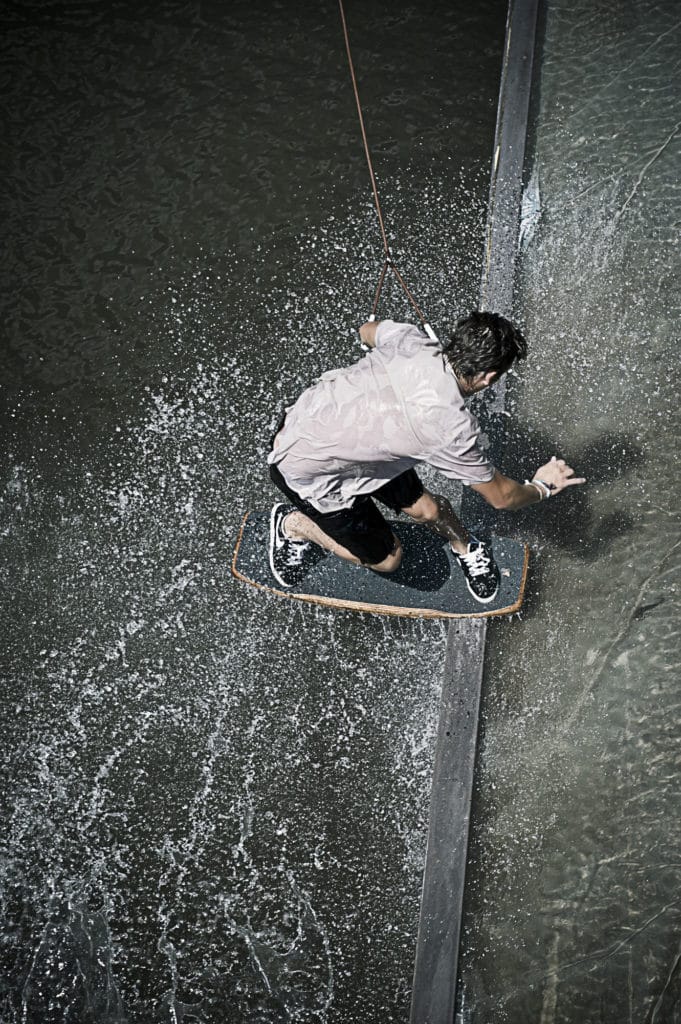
(567, 478)
(558, 474)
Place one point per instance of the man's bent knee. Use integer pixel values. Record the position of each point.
(391, 562)
(424, 510)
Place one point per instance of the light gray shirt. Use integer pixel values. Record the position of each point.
(360, 426)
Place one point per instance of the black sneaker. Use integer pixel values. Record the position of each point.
(288, 558)
(480, 570)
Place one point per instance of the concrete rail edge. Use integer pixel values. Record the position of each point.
(439, 935)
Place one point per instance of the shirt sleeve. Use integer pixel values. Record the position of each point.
(463, 459)
(392, 335)
(473, 468)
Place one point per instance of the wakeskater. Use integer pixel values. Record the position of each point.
(357, 435)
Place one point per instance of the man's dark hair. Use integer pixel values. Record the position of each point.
(482, 342)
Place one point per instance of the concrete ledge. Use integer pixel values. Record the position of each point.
(439, 935)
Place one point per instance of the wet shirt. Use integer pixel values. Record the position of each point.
(360, 426)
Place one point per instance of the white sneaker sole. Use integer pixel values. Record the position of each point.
(273, 544)
(481, 600)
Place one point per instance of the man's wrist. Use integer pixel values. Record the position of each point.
(542, 488)
(549, 488)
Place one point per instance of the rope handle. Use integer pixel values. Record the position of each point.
(388, 261)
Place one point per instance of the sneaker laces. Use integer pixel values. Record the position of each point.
(296, 552)
(477, 562)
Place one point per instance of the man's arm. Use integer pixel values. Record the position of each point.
(367, 333)
(503, 493)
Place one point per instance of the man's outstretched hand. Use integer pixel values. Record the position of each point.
(558, 475)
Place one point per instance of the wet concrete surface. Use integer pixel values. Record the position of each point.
(573, 911)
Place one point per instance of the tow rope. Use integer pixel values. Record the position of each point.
(388, 262)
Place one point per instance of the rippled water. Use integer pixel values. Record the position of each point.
(574, 911)
(214, 803)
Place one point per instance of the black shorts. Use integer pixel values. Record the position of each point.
(361, 528)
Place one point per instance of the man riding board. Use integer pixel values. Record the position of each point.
(357, 434)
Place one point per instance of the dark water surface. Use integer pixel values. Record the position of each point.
(214, 804)
(574, 901)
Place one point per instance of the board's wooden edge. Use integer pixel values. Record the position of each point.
(383, 609)
(235, 571)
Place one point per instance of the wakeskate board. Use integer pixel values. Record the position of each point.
(429, 584)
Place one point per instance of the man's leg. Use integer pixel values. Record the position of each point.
(475, 557)
(435, 512)
(298, 526)
(406, 493)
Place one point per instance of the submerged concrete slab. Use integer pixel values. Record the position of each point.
(435, 970)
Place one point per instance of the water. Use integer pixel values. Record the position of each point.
(573, 909)
(215, 804)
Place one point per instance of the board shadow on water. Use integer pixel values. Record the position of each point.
(425, 565)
